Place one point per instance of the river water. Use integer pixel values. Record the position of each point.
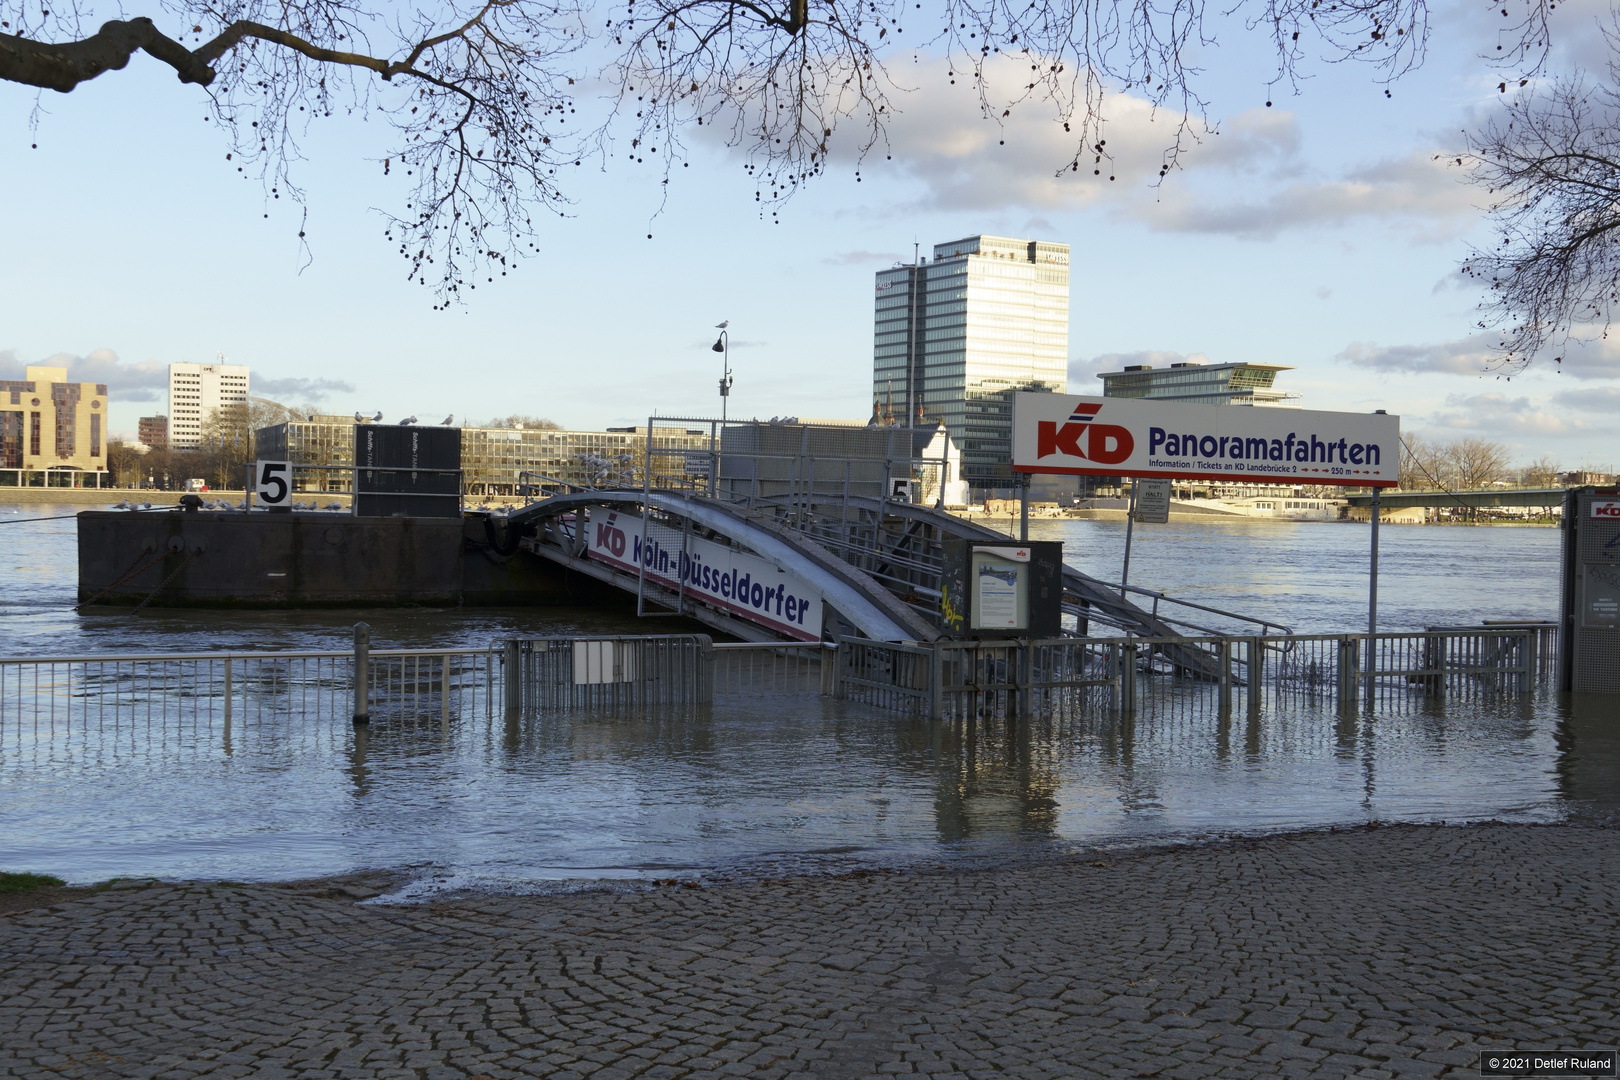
(773, 783)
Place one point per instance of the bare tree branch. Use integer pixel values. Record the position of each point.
(1551, 165)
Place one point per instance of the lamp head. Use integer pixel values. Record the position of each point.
(719, 344)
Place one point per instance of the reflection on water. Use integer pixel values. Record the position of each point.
(800, 782)
(777, 783)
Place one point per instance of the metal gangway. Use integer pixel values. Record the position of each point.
(821, 501)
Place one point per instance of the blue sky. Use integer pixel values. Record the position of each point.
(1321, 232)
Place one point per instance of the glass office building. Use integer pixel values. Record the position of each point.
(955, 336)
(1203, 384)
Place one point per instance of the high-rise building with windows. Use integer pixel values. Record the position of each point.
(195, 392)
(48, 423)
(955, 337)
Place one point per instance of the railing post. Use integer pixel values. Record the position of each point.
(1127, 677)
(1526, 654)
(936, 689)
(514, 680)
(829, 668)
(1257, 675)
(1224, 696)
(703, 687)
(1349, 669)
(362, 673)
(444, 689)
(1026, 666)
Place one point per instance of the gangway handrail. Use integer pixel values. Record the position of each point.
(1157, 596)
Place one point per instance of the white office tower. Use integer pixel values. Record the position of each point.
(956, 337)
(195, 391)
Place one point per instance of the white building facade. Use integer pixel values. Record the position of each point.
(195, 391)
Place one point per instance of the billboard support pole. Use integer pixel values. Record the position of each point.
(1372, 599)
(1023, 508)
(1130, 521)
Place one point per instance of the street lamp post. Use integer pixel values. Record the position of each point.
(722, 345)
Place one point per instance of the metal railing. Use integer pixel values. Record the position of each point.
(607, 672)
(804, 667)
(64, 704)
(1142, 675)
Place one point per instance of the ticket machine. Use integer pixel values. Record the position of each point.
(1589, 606)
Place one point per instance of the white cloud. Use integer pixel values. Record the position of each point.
(1596, 358)
(1415, 186)
(301, 390)
(1247, 178)
(1466, 356)
(1598, 399)
(145, 381)
(1499, 415)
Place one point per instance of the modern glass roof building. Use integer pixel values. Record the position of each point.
(953, 338)
(1202, 384)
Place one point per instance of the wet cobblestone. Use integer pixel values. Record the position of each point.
(1393, 952)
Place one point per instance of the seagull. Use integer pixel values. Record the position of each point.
(722, 325)
(146, 506)
(334, 506)
(377, 418)
(359, 419)
(123, 505)
(409, 420)
(446, 421)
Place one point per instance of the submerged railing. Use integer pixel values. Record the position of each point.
(1143, 675)
(96, 701)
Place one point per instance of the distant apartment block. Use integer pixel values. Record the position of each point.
(153, 432)
(48, 423)
(195, 391)
(1202, 384)
(494, 461)
(954, 338)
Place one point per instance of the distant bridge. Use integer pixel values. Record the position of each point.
(1393, 500)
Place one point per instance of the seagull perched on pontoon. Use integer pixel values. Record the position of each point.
(447, 420)
(378, 418)
(408, 421)
(359, 419)
(122, 506)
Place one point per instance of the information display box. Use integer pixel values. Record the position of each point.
(1002, 589)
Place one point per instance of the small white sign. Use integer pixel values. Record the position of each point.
(1153, 502)
(272, 483)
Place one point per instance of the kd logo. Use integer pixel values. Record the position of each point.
(1107, 444)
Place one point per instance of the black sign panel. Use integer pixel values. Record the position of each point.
(405, 471)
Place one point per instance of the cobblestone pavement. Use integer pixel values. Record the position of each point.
(1378, 952)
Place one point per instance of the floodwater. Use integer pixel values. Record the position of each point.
(795, 783)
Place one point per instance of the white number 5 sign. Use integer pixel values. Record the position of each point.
(272, 482)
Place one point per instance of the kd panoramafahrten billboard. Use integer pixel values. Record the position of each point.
(1094, 436)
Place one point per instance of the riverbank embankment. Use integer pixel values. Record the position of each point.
(1397, 951)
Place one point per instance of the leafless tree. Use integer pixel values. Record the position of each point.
(1551, 164)
(484, 96)
(1476, 464)
(522, 420)
(1540, 473)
